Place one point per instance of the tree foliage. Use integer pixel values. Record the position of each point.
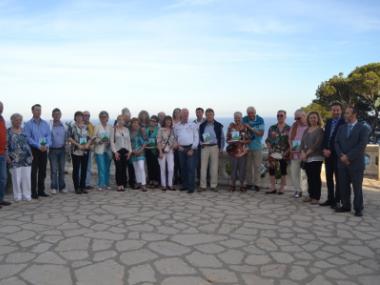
(322, 110)
(360, 88)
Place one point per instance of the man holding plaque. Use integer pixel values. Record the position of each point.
(38, 134)
(211, 138)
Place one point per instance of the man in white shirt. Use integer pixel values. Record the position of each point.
(187, 138)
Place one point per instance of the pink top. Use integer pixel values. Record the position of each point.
(295, 144)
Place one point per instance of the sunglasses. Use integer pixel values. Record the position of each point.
(280, 115)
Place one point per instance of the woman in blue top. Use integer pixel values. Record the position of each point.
(20, 160)
(151, 153)
(138, 158)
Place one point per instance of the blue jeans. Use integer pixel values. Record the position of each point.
(187, 164)
(89, 168)
(57, 168)
(103, 162)
(3, 176)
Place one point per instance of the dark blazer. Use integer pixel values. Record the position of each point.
(218, 127)
(330, 143)
(352, 146)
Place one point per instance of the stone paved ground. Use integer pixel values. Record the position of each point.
(173, 238)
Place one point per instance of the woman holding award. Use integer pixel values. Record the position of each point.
(80, 145)
(279, 152)
(237, 149)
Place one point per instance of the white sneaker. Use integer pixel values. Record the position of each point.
(64, 190)
(53, 191)
(100, 189)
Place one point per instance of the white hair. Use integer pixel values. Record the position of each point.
(238, 114)
(251, 109)
(16, 116)
(125, 112)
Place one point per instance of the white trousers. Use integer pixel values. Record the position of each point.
(168, 158)
(298, 176)
(139, 167)
(21, 183)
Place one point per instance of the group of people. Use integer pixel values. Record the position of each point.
(175, 150)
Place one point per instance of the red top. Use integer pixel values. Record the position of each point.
(3, 136)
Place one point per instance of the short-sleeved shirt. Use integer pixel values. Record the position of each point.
(258, 124)
(279, 139)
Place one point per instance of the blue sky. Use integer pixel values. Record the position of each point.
(161, 54)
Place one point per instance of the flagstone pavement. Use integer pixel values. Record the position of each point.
(173, 238)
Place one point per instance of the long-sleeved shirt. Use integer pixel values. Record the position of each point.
(166, 139)
(59, 135)
(120, 139)
(186, 134)
(38, 133)
(312, 142)
(102, 141)
(210, 137)
(295, 142)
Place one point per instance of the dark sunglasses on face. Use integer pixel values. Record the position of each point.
(280, 115)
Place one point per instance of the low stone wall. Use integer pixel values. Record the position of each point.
(372, 169)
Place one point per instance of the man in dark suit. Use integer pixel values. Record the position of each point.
(350, 144)
(331, 159)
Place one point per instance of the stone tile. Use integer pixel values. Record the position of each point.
(167, 248)
(219, 276)
(8, 270)
(107, 272)
(194, 239)
(47, 275)
(128, 245)
(141, 273)
(49, 258)
(198, 259)
(137, 257)
(75, 243)
(19, 257)
(173, 266)
(184, 281)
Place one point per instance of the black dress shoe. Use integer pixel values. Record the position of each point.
(326, 203)
(358, 214)
(342, 210)
(77, 191)
(5, 203)
(43, 194)
(257, 188)
(333, 206)
(84, 191)
(249, 186)
(183, 189)
(190, 191)
(89, 187)
(35, 196)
